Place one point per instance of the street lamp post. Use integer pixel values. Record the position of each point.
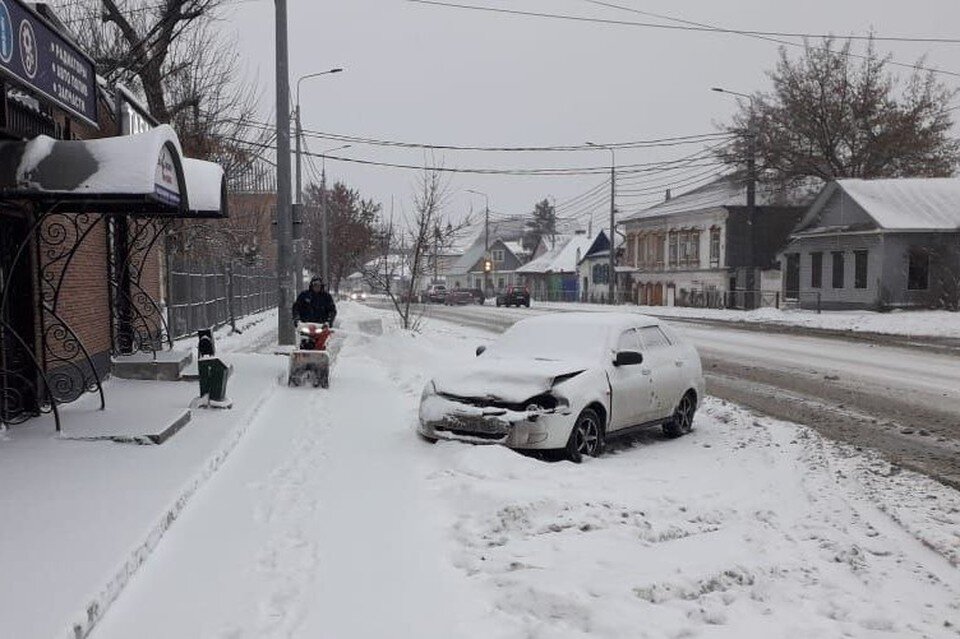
(751, 135)
(298, 250)
(486, 236)
(612, 282)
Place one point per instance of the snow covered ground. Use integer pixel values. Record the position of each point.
(332, 519)
(914, 323)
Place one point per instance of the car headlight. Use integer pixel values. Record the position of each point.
(429, 390)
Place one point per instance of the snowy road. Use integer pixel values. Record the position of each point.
(333, 520)
(902, 401)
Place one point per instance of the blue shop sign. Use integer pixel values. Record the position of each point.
(33, 54)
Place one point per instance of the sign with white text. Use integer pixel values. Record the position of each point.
(33, 54)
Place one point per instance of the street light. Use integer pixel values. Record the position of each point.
(751, 135)
(298, 254)
(613, 209)
(486, 235)
(325, 236)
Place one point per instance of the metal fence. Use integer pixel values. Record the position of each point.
(204, 295)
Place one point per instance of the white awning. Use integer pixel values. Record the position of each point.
(136, 174)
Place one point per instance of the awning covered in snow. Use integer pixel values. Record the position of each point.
(136, 174)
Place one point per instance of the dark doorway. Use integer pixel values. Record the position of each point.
(19, 378)
(792, 278)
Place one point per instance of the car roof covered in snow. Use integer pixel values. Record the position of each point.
(598, 318)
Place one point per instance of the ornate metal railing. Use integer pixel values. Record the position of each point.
(138, 323)
(51, 366)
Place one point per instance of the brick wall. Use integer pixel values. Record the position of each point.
(84, 296)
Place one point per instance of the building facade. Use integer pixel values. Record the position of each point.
(707, 248)
(83, 212)
(877, 244)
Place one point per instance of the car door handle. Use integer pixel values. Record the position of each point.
(644, 371)
(679, 362)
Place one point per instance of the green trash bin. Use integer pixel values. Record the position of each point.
(213, 379)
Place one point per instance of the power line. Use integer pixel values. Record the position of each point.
(763, 37)
(641, 167)
(671, 27)
(635, 144)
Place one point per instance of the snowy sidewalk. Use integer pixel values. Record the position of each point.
(81, 516)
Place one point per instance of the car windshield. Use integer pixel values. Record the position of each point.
(539, 340)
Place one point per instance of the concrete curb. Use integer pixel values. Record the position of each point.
(83, 621)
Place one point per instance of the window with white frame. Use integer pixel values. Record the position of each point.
(715, 246)
(497, 256)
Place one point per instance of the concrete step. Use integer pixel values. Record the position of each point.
(162, 366)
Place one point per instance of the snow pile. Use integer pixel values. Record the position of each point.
(741, 529)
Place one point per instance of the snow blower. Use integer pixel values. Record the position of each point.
(310, 361)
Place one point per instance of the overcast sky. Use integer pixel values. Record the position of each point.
(444, 76)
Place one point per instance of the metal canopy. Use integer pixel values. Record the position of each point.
(144, 174)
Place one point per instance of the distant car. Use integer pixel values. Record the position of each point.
(458, 297)
(514, 296)
(358, 296)
(568, 382)
(476, 295)
(435, 294)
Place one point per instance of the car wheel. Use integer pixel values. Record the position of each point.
(681, 422)
(586, 438)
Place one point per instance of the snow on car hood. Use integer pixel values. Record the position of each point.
(506, 379)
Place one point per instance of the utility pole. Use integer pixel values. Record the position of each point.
(612, 281)
(750, 283)
(487, 285)
(298, 245)
(613, 229)
(284, 228)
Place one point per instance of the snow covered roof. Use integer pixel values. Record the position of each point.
(725, 191)
(206, 187)
(470, 257)
(900, 204)
(515, 247)
(562, 259)
(144, 173)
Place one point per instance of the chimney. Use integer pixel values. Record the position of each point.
(667, 199)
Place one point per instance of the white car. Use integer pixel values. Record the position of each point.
(358, 296)
(568, 381)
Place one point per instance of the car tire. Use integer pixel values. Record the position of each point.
(586, 437)
(681, 422)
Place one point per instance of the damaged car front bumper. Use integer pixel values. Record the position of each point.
(443, 417)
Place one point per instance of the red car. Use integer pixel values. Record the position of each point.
(514, 296)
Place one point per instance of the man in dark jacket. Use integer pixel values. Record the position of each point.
(315, 304)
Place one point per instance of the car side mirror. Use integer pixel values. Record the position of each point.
(480, 350)
(628, 358)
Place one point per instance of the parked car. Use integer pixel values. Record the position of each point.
(568, 382)
(435, 294)
(458, 297)
(514, 296)
(476, 295)
(358, 295)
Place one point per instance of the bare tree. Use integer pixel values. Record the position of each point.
(830, 117)
(405, 251)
